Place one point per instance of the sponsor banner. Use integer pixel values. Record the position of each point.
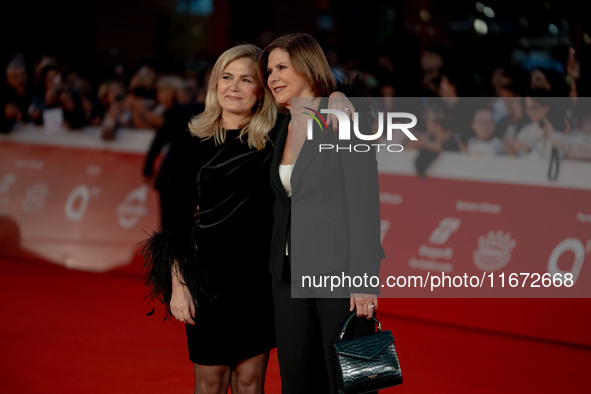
(477, 239)
(82, 207)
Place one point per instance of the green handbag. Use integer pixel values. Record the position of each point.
(366, 363)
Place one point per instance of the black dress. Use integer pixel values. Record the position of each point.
(229, 253)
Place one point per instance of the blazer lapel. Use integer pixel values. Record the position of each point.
(278, 148)
(309, 150)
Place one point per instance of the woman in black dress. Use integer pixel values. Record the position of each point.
(214, 276)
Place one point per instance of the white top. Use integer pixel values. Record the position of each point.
(533, 135)
(285, 176)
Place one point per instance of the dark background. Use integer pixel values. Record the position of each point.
(184, 36)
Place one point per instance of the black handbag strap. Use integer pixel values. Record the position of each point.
(554, 166)
(344, 328)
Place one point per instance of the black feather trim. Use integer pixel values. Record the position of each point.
(352, 87)
(160, 251)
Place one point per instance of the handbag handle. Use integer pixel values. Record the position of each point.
(344, 328)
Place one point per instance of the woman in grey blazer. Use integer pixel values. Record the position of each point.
(326, 219)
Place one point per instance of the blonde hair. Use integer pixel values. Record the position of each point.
(256, 126)
(308, 60)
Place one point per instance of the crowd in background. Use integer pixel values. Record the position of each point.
(539, 111)
(522, 114)
(139, 101)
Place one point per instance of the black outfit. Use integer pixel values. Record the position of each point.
(177, 172)
(225, 262)
(326, 226)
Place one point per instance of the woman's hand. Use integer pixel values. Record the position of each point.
(182, 305)
(365, 304)
(514, 146)
(338, 101)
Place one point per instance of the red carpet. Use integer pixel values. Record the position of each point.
(67, 331)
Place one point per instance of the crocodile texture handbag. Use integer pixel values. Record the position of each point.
(366, 363)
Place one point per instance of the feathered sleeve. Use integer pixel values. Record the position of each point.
(352, 87)
(173, 242)
(161, 250)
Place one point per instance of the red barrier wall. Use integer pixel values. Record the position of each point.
(82, 202)
(85, 205)
(483, 216)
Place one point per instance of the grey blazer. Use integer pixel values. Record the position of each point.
(331, 223)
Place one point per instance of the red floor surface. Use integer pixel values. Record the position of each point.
(66, 331)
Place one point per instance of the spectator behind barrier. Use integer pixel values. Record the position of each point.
(141, 99)
(111, 96)
(530, 138)
(16, 96)
(576, 144)
(483, 142)
(439, 136)
(71, 104)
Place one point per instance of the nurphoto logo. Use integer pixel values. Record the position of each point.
(390, 119)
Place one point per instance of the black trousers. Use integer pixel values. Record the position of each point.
(305, 329)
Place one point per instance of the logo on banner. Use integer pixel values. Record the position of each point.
(7, 181)
(131, 210)
(390, 198)
(35, 197)
(494, 251)
(444, 230)
(94, 170)
(78, 200)
(344, 129)
(437, 258)
(384, 227)
(569, 246)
